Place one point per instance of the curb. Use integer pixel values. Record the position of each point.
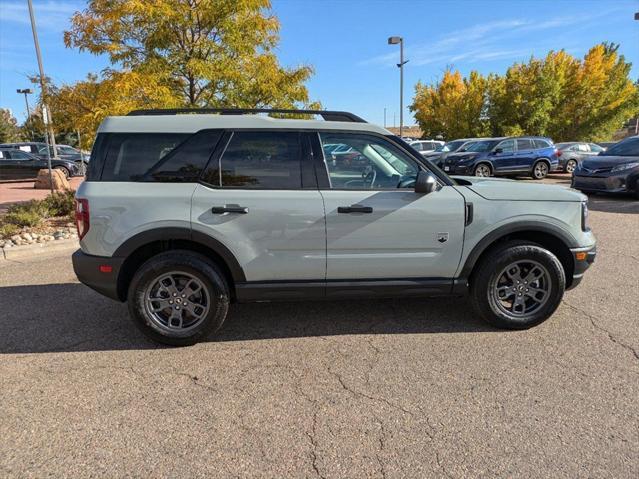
(38, 249)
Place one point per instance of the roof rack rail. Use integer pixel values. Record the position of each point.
(327, 115)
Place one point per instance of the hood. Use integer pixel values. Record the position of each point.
(459, 156)
(603, 161)
(504, 189)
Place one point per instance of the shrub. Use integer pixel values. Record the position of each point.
(36, 207)
(8, 230)
(60, 204)
(23, 218)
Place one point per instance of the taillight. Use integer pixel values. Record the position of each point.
(559, 152)
(82, 216)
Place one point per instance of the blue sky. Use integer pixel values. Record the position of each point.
(346, 42)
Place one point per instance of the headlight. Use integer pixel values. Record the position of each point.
(627, 166)
(584, 216)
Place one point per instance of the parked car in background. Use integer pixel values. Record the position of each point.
(615, 170)
(509, 156)
(39, 149)
(440, 153)
(571, 153)
(425, 146)
(20, 165)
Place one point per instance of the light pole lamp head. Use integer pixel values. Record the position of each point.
(25, 91)
(637, 16)
(394, 40)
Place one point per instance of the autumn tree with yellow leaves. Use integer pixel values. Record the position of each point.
(558, 96)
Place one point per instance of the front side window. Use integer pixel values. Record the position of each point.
(507, 146)
(371, 163)
(262, 159)
(20, 155)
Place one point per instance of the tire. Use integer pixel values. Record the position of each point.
(64, 171)
(490, 290)
(163, 282)
(637, 190)
(570, 166)
(540, 170)
(482, 170)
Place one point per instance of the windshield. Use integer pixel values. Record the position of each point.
(480, 146)
(627, 147)
(450, 146)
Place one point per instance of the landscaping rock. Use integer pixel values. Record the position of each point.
(60, 183)
(15, 238)
(27, 237)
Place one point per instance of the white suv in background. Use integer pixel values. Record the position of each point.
(426, 146)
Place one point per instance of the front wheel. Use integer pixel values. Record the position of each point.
(178, 298)
(482, 170)
(518, 285)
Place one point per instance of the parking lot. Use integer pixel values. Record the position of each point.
(397, 388)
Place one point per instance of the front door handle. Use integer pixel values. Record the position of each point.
(354, 209)
(219, 210)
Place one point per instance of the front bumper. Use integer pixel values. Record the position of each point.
(457, 169)
(623, 182)
(583, 258)
(98, 273)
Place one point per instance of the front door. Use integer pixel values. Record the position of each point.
(260, 200)
(504, 156)
(377, 226)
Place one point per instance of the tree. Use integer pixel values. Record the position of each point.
(454, 107)
(9, 130)
(206, 53)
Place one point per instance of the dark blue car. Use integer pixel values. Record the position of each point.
(515, 156)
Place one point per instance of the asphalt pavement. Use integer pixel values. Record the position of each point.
(396, 388)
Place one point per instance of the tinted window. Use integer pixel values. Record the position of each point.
(480, 146)
(131, 155)
(627, 147)
(20, 155)
(507, 146)
(186, 162)
(262, 159)
(595, 148)
(524, 144)
(541, 144)
(372, 162)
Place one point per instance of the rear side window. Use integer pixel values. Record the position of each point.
(524, 144)
(164, 157)
(262, 159)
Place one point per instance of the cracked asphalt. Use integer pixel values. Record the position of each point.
(401, 388)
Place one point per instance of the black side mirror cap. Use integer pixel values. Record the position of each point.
(425, 182)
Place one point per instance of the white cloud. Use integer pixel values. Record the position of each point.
(49, 14)
(483, 41)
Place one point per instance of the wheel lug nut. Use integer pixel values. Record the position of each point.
(177, 307)
(174, 294)
(184, 295)
(170, 301)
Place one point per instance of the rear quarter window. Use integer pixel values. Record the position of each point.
(151, 157)
(539, 144)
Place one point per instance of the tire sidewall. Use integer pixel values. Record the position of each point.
(535, 167)
(494, 264)
(193, 264)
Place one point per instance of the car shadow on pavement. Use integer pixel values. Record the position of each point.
(70, 318)
(605, 203)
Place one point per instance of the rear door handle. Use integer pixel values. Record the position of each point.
(219, 210)
(354, 209)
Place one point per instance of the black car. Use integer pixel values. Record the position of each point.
(39, 149)
(615, 170)
(571, 153)
(438, 156)
(20, 165)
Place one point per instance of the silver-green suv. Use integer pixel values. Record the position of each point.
(183, 214)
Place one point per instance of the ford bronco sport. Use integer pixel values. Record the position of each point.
(184, 214)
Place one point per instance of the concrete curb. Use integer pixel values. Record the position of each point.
(38, 249)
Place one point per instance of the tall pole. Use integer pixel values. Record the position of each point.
(384, 117)
(401, 86)
(26, 100)
(45, 111)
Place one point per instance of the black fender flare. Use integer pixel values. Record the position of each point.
(517, 227)
(178, 233)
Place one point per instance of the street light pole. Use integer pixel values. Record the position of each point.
(26, 91)
(45, 110)
(402, 62)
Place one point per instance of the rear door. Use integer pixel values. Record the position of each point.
(377, 226)
(525, 155)
(259, 198)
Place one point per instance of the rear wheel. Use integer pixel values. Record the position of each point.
(540, 170)
(518, 285)
(482, 169)
(570, 166)
(178, 298)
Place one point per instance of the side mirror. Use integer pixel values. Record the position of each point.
(498, 150)
(425, 183)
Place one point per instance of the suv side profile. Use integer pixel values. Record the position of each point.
(182, 215)
(530, 155)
